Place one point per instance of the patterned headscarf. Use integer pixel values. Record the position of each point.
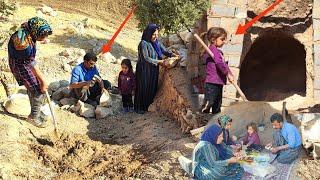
(223, 120)
(39, 27)
(30, 31)
(211, 135)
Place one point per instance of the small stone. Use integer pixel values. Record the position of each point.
(189, 114)
(65, 107)
(66, 53)
(68, 101)
(86, 110)
(18, 104)
(108, 57)
(102, 112)
(54, 86)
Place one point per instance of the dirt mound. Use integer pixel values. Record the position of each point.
(309, 169)
(78, 156)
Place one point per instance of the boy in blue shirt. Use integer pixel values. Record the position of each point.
(287, 140)
(86, 83)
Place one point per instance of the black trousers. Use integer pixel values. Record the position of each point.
(127, 100)
(212, 98)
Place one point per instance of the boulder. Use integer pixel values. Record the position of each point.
(105, 99)
(86, 110)
(65, 107)
(48, 11)
(174, 39)
(54, 86)
(78, 28)
(76, 108)
(18, 104)
(102, 112)
(186, 36)
(62, 92)
(108, 57)
(68, 101)
(64, 83)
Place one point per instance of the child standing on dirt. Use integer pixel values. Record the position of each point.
(126, 85)
(217, 70)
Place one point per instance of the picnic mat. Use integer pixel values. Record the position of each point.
(282, 172)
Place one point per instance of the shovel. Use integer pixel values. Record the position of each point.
(52, 114)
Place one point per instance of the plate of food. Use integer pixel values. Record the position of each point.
(247, 159)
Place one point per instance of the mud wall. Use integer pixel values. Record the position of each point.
(174, 99)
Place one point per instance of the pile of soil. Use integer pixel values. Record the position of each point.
(76, 156)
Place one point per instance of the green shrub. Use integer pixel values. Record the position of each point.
(171, 15)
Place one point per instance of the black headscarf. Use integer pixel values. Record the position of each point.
(147, 35)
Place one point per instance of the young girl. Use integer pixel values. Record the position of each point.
(252, 137)
(217, 70)
(225, 123)
(126, 85)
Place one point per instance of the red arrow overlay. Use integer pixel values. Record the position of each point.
(242, 29)
(107, 47)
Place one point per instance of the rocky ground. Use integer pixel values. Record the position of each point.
(121, 146)
(118, 147)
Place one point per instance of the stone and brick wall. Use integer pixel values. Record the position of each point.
(316, 48)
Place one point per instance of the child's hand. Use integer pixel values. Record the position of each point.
(231, 78)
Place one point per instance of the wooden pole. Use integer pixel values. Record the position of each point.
(53, 116)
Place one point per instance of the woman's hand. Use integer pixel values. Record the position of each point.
(233, 160)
